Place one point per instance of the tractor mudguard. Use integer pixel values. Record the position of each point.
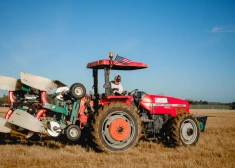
(25, 120)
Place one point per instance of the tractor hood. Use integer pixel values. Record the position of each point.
(158, 104)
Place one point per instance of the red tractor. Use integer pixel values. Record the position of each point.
(119, 121)
(115, 122)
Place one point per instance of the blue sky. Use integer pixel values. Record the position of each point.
(188, 45)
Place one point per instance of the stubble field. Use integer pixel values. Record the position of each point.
(216, 148)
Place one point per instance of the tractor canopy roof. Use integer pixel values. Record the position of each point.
(101, 64)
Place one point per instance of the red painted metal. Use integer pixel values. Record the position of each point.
(43, 97)
(40, 113)
(108, 99)
(169, 107)
(12, 100)
(8, 114)
(82, 117)
(101, 64)
(11, 96)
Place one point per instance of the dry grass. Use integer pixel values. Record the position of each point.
(216, 148)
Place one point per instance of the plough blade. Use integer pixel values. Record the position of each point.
(27, 121)
(3, 126)
(39, 82)
(9, 83)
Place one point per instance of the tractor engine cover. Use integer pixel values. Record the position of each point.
(157, 104)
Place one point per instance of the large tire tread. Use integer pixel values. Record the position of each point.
(175, 130)
(96, 122)
(72, 91)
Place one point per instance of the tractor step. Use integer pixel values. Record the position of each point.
(147, 120)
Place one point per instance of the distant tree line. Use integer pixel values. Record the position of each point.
(192, 102)
(4, 100)
(203, 102)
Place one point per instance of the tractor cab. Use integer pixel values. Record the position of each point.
(107, 65)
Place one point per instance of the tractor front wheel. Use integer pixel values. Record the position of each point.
(184, 130)
(73, 132)
(116, 127)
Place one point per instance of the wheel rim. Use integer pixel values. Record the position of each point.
(118, 129)
(54, 129)
(73, 132)
(189, 131)
(78, 91)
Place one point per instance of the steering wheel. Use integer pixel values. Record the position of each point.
(133, 92)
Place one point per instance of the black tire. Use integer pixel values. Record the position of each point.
(184, 130)
(116, 127)
(73, 132)
(77, 91)
(2, 138)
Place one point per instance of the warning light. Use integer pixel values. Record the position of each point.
(110, 55)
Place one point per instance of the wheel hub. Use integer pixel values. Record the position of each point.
(54, 129)
(189, 131)
(78, 91)
(119, 129)
(73, 133)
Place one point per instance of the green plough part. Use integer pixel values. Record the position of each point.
(55, 108)
(74, 111)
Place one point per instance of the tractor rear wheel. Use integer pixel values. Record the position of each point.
(116, 127)
(184, 130)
